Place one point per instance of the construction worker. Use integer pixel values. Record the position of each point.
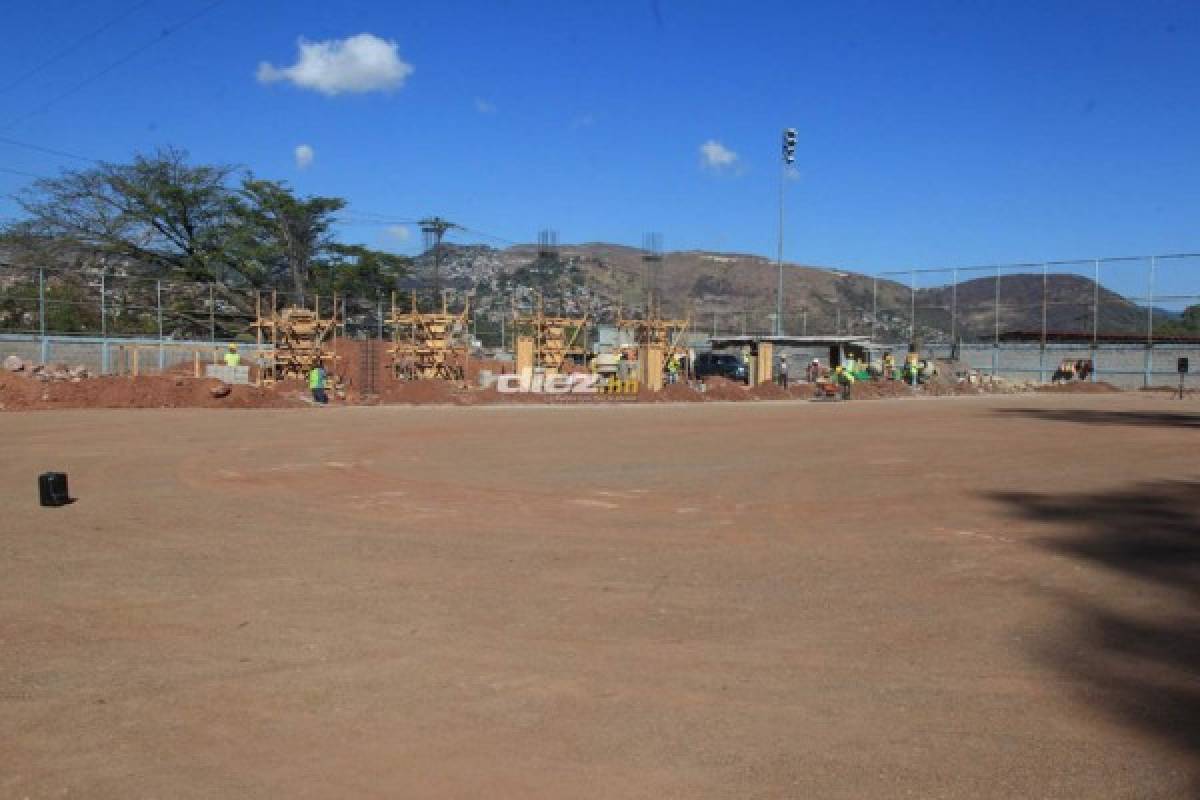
(316, 382)
(889, 366)
(232, 358)
(814, 370)
(673, 368)
(783, 370)
(845, 378)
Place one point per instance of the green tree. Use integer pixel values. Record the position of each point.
(282, 238)
(159, 211)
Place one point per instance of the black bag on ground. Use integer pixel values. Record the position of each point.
(52, 488)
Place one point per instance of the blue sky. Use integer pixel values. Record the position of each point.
(929, 133)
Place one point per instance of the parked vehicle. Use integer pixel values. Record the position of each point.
(725, 365)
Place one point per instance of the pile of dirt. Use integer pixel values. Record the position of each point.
(157, 391)
(672, 393)
(717, 388)
(1078, 387)
(880, 390)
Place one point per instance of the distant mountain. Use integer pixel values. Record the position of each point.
(736, 291)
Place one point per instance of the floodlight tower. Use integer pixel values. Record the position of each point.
(789, 158)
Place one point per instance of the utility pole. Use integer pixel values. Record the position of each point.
(789, 158)
(434, 228)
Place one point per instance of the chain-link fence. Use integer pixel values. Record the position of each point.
(1127, 315)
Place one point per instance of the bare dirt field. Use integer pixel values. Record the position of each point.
(939, 598)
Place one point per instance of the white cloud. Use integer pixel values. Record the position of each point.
(398, 232)
(715, 155)
(362, 63)
(484, 107)
(304, 156)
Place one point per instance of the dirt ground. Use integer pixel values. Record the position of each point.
(940, 598)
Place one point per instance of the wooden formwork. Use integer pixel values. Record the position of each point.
(296, 339)
(554, 340)
(429, 346)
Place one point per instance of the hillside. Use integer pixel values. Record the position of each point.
(735, 291)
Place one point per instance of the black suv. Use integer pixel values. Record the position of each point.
(726, 365)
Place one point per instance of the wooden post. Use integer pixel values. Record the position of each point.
(524, 354)
(196, 361)
(652, 358)
(766, 362)
(136, 350)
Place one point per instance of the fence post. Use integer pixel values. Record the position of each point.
(1148, 370)
(103, 323)
(874, 304)
(1042, 351)
(1095, 315)
(954, 312)
(158, 295)
(912, 300)
(996, 327)
(379, 313)
(212, 315)
(42, 313)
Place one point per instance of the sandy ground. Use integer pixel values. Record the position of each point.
(944, 598)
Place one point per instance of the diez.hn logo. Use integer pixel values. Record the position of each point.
(576, 383)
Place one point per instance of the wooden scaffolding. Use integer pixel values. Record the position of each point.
(429, 346)
(294, 340)
(548, 342)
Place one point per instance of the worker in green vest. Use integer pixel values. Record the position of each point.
(232, 359)
(316, 382)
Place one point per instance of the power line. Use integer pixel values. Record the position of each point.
(48, 150)
(132, 54)
(75, 45)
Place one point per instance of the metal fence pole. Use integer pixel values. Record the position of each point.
(42, 313)
(954, 311)
(212, 314)
(912, 300)
(1148, 371)
(874, 305)
(103, 324)
(1042, 351)
(1095, 314)
(158, 295)
(996, 327)
(379, 312)
(804, 326)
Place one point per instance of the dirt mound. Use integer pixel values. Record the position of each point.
(716, 388)
(673, 393)
(1078, 387)
(153, 391)
(880, 390)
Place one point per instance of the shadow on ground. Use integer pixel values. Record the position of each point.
(1161, 419)
(1133, 644)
